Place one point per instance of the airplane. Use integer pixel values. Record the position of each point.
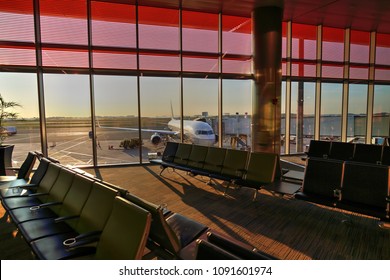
(196, 131)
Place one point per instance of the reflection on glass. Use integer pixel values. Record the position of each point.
(381, 118)
(331, 108)
(357, 113)
(200, 102)
(22, 88)
(236, 120)
(302, 115)
(68, 118)
(116, 109)
(160, 98)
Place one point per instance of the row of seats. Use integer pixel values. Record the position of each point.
(64, 214)
(243, 168)
(359, 187)
(368, 153)
(67, 215)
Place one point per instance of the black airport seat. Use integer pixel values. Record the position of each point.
(24, 170)
(319, 148)
(15, 188)
(208, 251)
(237, 248)
(322, 181)
(365, 189)
(386, 155)
(342, 151)
(368, 153)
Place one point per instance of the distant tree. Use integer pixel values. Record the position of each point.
(5, 114)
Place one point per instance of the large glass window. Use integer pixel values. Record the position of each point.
(113, 36)
(68, 118)
(236, 120)
(160, 113)
(24, 130)
(331, 108)
(116, 109)
(200, 102)
(302, 115)
(357, 113)
(200, 34)
(381, 118)
(17, 26)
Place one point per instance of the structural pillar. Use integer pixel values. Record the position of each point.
(267, 69)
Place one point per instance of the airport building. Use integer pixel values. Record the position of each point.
(106, 84)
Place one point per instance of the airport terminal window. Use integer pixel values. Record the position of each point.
(113, 25)
(159, 98)
(17, 26)
(200, 100)
(357, 113)
(236, 35)
(113, 36)
(68, 118)
(116, 114)
(359, 48)
(158, 28)
(22, 88)
(236, 108)
(200, 35)
(304, 41)
(331, 111)
(302, 115)
(64, 34)
(236, 44)
(64, 22)
(381, 118)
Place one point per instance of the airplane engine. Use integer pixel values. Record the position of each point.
(155, 139)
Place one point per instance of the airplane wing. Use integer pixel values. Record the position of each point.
(159, 131)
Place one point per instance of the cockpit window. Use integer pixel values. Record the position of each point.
(203, 132)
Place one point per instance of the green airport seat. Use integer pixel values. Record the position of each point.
(24, 170)
(15, 188)
(213, 162)
(261, 171)
(43, 187)
(71, 204)
(123, 237)
(45, 233)
(197, 157)
(55, 195)
(162, 239)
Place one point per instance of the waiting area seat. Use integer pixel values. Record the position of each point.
(70, 215)
(241, 168)
(354, 186)
(366, 153)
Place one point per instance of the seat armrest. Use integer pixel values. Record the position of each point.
(37, 194)
(44, 205)
(388, 199)
(82, 239)
(65, 218)
(28, 186)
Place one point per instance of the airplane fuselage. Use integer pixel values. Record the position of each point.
(198, 132)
